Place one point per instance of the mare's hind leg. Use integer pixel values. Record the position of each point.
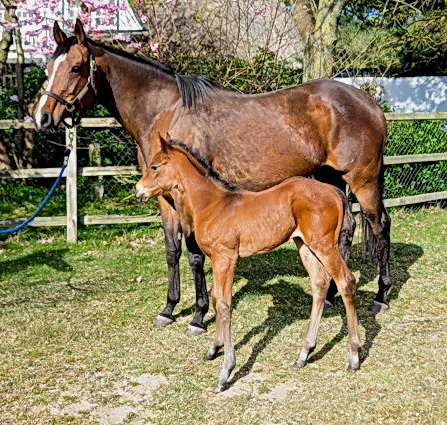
(173, 245)
(196, 261)
(319, 279)
(370, 200)
(329, 175)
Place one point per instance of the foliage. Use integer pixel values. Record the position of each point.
(264, 73)
(393, 37)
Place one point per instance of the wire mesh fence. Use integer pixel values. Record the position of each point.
(108, 195)
(415, 137)
(99, 195)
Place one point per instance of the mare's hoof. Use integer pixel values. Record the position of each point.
(194, 330)
(219, 388)
(162, 321)
(377, 307)
(300, 364)
(328, 304)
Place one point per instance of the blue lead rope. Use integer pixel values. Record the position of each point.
(44, 202)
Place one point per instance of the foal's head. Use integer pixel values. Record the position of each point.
(70, 85)
(160, 177)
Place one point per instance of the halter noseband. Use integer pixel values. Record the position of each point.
(71, 106)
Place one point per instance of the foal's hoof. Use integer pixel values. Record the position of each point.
(377, 307)
(162, 321)
(299, 364)
(211, 354)
(219, 388)
(194, 330)
(354, 368)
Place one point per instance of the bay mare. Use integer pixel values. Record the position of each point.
(229, 224)
(322, 127)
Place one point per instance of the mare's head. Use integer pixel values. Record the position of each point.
(160, 177)
(70, 87)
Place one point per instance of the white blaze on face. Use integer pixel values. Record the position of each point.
(44, 97)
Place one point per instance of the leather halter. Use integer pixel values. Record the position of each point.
(71, 106)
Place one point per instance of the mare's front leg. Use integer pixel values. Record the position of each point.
(173, 245)
(223, 274)
(196, 261)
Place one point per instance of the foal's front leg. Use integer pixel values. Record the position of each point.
(223, 274)
(173, 245)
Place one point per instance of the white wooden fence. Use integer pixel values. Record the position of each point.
(71, 220)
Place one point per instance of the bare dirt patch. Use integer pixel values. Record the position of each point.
(132, 403)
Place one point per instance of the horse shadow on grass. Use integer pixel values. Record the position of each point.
(53, 258)
(292, 303)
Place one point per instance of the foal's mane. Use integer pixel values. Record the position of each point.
(201, 164)
(193, 90)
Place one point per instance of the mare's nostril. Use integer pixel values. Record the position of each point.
(46, 120)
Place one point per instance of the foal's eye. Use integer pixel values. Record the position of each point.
(154, 167)
(76, 69)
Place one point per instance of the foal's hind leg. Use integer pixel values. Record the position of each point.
(370, 200)
(319, 280)
(345, 280)
(334, 177)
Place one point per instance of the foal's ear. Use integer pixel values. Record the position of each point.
(165, 146)
(58, 34)
(79, 32)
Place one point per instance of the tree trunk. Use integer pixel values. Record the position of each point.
(24, 137)
(6, 41)
(5, 44)
(318, 31)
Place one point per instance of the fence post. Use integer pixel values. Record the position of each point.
(72, 189)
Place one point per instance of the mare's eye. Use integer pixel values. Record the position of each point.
(154, 167)
(76, 69)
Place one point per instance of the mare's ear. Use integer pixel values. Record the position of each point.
(58, 34)
(165, 146)
(79, 32)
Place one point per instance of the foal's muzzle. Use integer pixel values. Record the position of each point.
(140, 193)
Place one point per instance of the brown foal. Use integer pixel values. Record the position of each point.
(229, 224)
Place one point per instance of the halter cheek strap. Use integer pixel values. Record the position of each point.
(71, 106)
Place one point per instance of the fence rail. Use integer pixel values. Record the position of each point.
(71, 220)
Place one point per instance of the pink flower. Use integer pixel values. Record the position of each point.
(154, 47)
(122, 37)
(135, 45)
(261, 11)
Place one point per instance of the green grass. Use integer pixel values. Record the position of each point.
(76, 328)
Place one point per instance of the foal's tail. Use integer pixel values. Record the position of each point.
(348, 227)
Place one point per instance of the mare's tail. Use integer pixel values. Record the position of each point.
(348, 227)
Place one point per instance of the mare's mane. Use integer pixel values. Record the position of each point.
(194, 156)
(193, 90)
